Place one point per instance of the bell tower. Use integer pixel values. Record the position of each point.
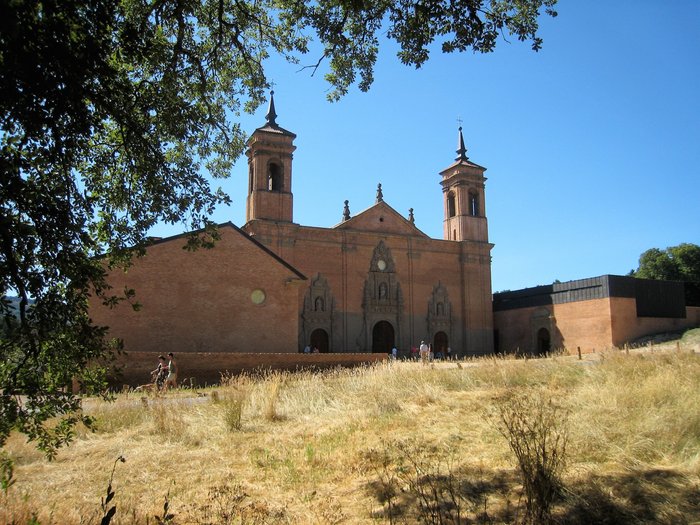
(269, 153)
(463, 186)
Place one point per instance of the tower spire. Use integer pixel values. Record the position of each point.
(271, 113)
(461, 149)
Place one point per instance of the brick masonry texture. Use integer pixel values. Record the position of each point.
(589, 325)
(343, 257)
(202, 302)
(207, 368)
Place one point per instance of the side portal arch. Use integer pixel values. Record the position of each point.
(383, 337)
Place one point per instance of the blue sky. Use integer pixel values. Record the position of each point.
(592, 145)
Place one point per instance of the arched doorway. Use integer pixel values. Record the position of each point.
(319, 339)
(543, 341)
(382, 337)
(440, 345)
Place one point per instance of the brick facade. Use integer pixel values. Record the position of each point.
(372, 282)
(203, 301)
(590, 314)
(343, 258)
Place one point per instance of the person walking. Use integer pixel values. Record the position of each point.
(424, 352)
(159, 375)
(171, 380)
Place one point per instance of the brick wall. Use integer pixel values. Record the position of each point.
(515, 330)
(201, 301)
(585, 324)
(207, 368)
(693, 313)
(628, 327)
(589, 325)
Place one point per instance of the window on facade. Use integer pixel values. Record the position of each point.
(274, 178)
(473, 204)
(451, 204)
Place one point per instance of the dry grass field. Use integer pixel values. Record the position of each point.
(395, 443)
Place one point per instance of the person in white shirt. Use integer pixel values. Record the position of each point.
(424, 352)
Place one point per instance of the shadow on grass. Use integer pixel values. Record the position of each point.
(465, 495)
(480, 496)
(639, 496)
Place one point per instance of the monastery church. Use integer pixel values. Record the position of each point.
(371, 282)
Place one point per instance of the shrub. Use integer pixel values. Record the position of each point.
(536, 431)
(232, 403)
(6, 471)
(167, 420)
(230, 504)
(417, 482)
(275, 382)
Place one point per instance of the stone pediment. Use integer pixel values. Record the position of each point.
(381, 218)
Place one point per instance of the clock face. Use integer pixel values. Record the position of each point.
(258, 296)
(381, 264)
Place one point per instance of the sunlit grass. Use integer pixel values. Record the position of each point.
(298, 448)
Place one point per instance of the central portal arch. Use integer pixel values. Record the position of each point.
(319, 339)
(440, 344)
(382, 337)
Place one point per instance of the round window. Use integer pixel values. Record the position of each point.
(381, 265)
(258, 296)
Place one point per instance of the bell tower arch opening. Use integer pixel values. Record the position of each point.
(473, 204)
(274, 177)
(451, 209)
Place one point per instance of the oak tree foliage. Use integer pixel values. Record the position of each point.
(675, 263)
(117, 115)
